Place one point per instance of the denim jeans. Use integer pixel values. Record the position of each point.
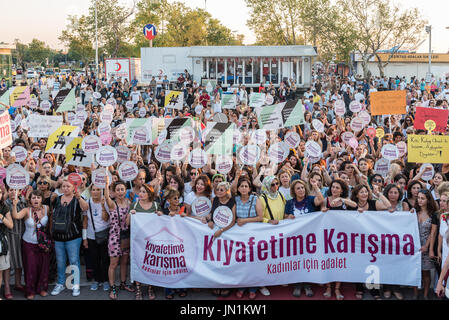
(72, 250)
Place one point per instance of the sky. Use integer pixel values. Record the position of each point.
(45, 19)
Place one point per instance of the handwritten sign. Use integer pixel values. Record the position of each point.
(430, 149)
(388, 102)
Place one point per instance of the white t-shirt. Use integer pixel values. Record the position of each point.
(100, 224)
(135, 96)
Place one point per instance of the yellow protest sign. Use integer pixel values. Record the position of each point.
(380, 132)
(75, 155)
(20, 96)
(428, 148)
(430, 125)
(70, 148)
(56, 141)
(174, 100)
(388, 102)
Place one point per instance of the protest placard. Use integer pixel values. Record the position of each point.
(228, 101)
(174, 100)
(219, 138)
(5, 130)
(65, 100)
(43, 126)
(428, 148)
(423, 114)
(388, 102)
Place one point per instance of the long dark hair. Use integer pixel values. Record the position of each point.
(431, 204)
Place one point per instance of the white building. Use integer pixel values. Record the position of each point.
(231, 65)
(408, 65)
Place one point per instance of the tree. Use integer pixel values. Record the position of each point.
(78, 38)
(179, 25)
(382, 25)
(276, 22)
(114, 26)
(18, 55)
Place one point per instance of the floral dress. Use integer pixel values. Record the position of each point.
(115, 227)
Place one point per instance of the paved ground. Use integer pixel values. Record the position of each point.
(277, 293)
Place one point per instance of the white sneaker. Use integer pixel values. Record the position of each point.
(264, 291)
(58, 289)
(76, 291)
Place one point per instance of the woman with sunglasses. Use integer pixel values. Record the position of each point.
(44, 186)
(176, 183)
(426, 209)
(190, 176)
(303, 202)
(378, 181)
(223, 198)
(174, 208)
(272, 205)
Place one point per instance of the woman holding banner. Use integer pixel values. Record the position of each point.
(145, 203)
(223, 204)
(303, 202)
(116, 212)
(363, 197)
(337, 199)
(246, 212)
(201, 188)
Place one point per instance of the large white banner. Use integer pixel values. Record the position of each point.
(347, 246)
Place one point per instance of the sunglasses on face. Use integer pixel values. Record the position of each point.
(42, 182)
(193, 173)
(377, 180)
(275, 184)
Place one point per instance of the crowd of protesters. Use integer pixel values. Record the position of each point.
(344, 178)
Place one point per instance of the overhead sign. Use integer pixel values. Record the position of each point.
(149, 31)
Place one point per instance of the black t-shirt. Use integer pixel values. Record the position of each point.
(216, 203)
(371, 206)
(74, 209)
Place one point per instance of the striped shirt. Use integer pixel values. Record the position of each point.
(242, 209)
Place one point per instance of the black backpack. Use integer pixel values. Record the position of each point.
(3, 242)
(63, 219)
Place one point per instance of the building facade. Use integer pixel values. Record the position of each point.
(231, 65)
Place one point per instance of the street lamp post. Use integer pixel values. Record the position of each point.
(429, 31)
(96, 42)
